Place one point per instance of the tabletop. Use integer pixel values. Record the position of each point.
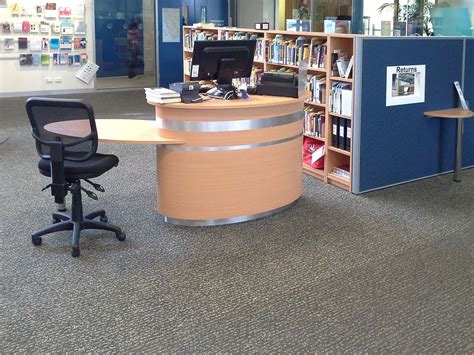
(114, 131)
(450, 113)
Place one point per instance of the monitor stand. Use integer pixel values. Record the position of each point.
(224, 90)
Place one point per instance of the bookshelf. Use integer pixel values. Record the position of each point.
(282, 51)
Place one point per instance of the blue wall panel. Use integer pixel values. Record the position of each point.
(468, 149)
(171, 54)
(399, 143)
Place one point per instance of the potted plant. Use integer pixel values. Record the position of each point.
(417, 12)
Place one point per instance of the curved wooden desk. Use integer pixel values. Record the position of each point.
(240, 160)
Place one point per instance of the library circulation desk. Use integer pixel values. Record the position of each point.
(218, 162)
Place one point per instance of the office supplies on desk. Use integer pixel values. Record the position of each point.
(189, 91)
(162, 95)
(278, 84)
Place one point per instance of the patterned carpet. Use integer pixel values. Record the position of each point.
(385, 272)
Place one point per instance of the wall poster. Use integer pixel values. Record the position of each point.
(405, 84)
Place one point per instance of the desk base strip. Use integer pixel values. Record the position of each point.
(220, 222)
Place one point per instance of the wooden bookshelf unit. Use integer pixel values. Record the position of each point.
(320, 68)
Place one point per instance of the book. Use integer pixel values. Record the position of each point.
(54, 43)
(342, 170)
(163, 101)
(36, 59)
(347, 74)
(50, 10)
(67, 27)
(45, 43)
(65, 43)
(9, 44)
(45, 27)
(80, 27)
(36, 44)
(22, 59)
(87, 72)
(161, 93)
(45, 59)
(6, 28)
(65, 12)
(22, 43)
(34, 27)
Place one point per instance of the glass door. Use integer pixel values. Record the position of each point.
(125, 43)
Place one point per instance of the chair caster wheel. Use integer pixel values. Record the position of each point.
(104, 219)
(121, 236)
(56, 220)
(75, 252)
(36, 240)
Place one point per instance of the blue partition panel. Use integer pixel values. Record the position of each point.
(468, 149)
(171, 54)
(398, 143)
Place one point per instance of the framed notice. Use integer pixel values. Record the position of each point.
(405, 85)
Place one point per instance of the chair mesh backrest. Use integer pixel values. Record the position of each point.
(42, 111)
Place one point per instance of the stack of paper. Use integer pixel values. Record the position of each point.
(162, 95)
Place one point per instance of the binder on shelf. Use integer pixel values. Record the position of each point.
(335, 132)
(348, 135)
(341, 144)
(346, 100)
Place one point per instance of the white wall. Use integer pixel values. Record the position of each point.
(15, 78)
(251, 11)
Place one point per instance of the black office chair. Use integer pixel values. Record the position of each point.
(67, 161)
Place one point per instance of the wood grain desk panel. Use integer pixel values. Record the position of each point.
(219, 176)
(245, 163)
(203, 186)
(450, 113)
(114, 131)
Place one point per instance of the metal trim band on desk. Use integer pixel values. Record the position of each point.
(219, 222)
(231, 147)
(227, 126)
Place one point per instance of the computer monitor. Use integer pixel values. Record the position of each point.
(222, 60)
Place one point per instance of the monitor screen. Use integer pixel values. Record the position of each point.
(222, 60)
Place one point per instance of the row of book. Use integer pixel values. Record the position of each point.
(56, 58)
(44, 44)
(239, 35)
(198, 35)
(317, 86)
(341, 133)
(285, 50)
(340, 99)
(187, 65)
(319, 51)
(314, 123)
(342, 170)
(289, 51)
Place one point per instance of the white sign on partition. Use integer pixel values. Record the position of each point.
(405, 84)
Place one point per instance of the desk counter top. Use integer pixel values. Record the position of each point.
(252, 102)
(115, 131)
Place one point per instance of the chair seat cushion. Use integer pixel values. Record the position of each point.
(90, 168)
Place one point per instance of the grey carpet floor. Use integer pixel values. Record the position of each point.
(389, 271)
